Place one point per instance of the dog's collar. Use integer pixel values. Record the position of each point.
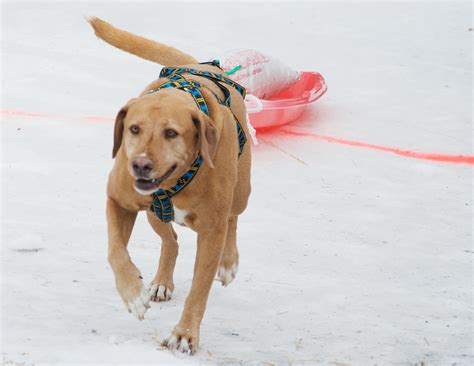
(162, 205)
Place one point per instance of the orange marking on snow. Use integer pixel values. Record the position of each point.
(445, 158)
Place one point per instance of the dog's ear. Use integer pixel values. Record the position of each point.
(207, 137)
(118, 129)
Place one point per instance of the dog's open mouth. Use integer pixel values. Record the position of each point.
(153, 184)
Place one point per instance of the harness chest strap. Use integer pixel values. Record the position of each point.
(162, 205)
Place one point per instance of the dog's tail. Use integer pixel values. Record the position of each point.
(139, 46)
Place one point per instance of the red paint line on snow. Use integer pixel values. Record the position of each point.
(22, 113)
(98, 118)
(54, 116)
(443, 158)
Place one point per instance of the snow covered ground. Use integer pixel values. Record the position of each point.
(349, 255)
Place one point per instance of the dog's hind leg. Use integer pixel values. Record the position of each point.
(229, 263)
(162, 286)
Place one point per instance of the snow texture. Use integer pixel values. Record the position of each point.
(348, 256)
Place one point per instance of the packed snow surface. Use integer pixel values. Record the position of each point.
(348, 255)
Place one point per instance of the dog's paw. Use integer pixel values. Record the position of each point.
(226, 275)
(139, 305)
(160, 292)
(184, 341)
(133, 293)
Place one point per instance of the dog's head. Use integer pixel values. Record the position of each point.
(161, 136)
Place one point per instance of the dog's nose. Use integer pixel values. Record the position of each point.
(142, 166)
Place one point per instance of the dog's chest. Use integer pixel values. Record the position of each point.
(179, 216)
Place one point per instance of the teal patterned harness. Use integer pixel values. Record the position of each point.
(162, 205)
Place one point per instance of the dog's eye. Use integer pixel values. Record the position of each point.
(169, 133)
(134, 129)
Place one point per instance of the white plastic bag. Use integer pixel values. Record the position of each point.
(262, 75)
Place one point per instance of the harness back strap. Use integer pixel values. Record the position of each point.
(217, 78)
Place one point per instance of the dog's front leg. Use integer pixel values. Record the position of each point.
(210, 243)
(127, 276)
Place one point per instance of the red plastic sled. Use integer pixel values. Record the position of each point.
(289, 104)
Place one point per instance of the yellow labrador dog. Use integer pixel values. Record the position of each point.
(180, 155)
